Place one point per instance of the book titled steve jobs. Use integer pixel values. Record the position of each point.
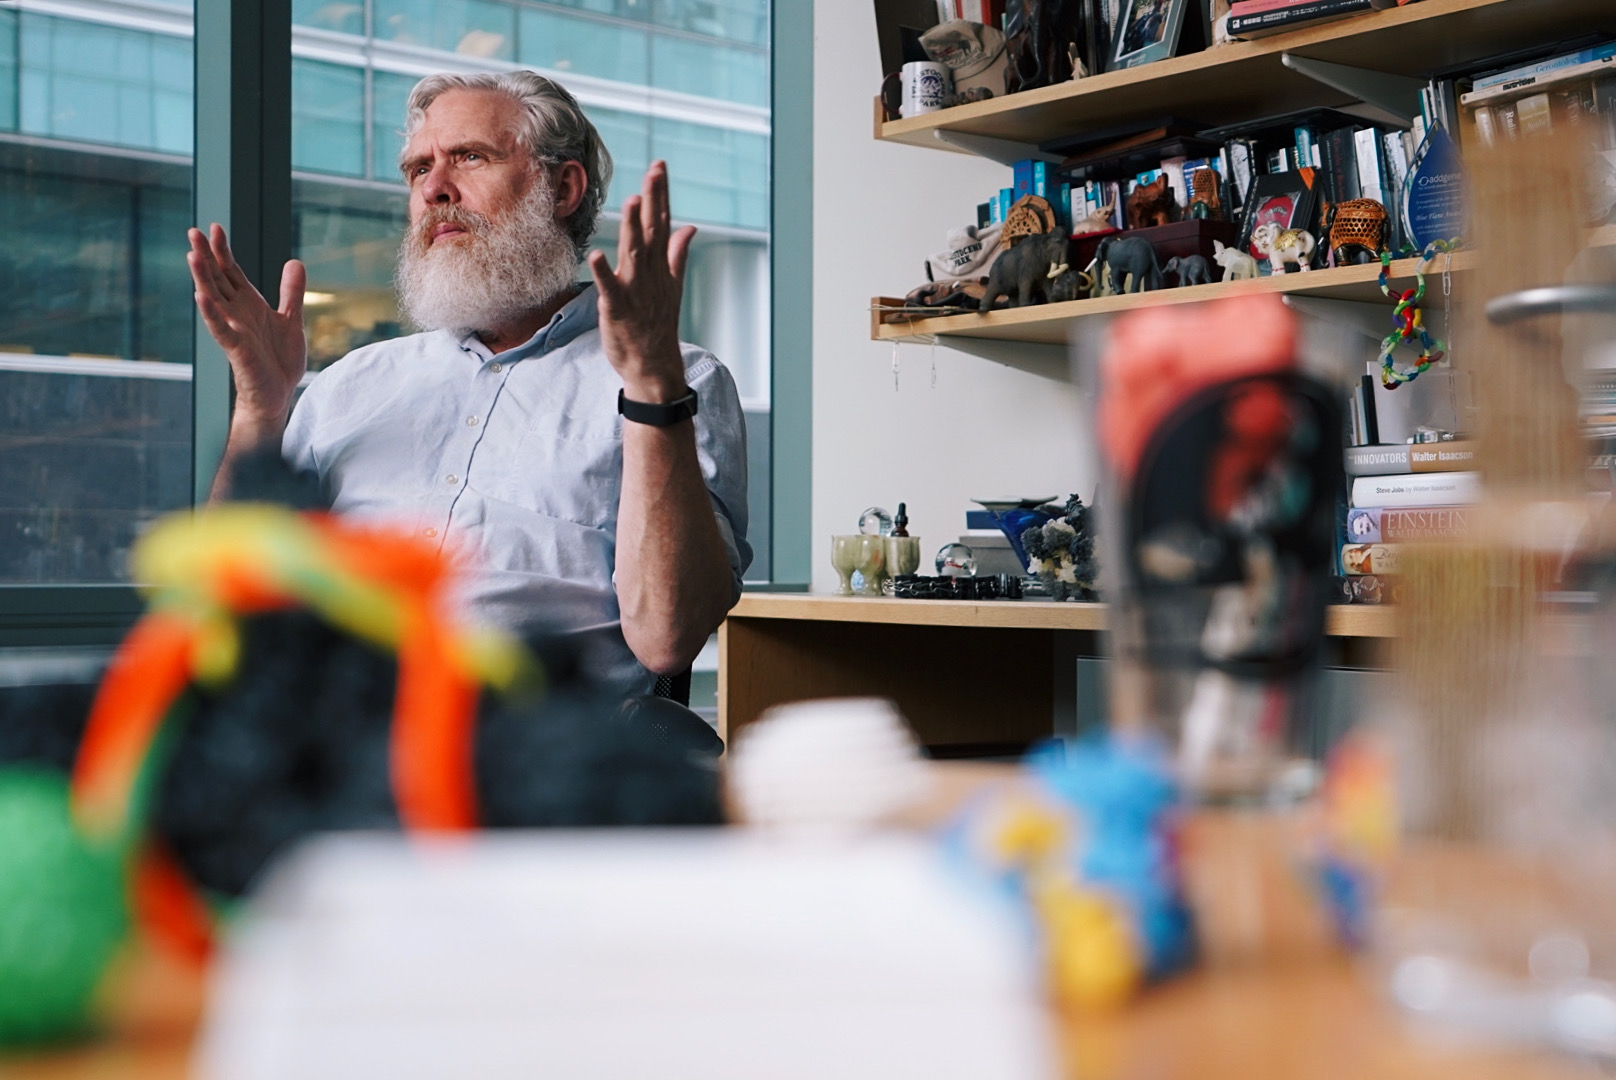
(1417, 489)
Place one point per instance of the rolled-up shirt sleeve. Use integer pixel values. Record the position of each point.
(721, 452)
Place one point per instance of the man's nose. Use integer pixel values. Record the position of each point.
(438, 186)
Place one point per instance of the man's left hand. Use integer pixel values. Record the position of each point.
(639, 303)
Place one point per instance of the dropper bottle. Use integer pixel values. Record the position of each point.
(900, 524)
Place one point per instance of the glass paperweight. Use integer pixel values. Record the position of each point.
(956, 560)
(875, 522)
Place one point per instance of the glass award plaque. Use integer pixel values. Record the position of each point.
(1433, 194)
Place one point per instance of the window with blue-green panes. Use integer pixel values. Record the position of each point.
(341, 16)
(328, 118)
(628, 137)
(570, 44)
(709, 69)
(482, 28)
(8, 70)
(102, 84)
(714, 174)
(389, 94)
(638, 10)
(164, 315)
(735, 20)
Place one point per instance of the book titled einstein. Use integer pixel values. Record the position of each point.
(1388, 525)
(1417, 489)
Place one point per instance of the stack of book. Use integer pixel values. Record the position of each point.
(1401, 493)
(1565, 90)
(1259, 18)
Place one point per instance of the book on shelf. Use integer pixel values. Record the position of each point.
(1534, 114)
(1592, 69)
(1543, 67)
(1439, 105)
(1257, 7)
(1398, 459)
(1365, 420)
(1342, 156)
(1394, 524)
(1371, 165)
(1030, 177)
(1548, 110)
(1417, 489)
(1280, 20)
(1378, 559)
(1396, 160)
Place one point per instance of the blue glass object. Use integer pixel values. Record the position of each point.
(1017, 520)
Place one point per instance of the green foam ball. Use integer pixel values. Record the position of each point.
(62, 910)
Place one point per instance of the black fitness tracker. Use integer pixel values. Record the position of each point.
(657, 415)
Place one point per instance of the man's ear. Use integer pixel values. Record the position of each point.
(568, 182)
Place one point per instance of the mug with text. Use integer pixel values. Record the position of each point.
(927, 87)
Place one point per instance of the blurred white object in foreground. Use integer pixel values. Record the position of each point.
(841, 763)
(712, 955)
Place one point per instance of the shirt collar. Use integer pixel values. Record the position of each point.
(578, 316)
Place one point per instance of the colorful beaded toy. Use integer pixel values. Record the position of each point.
(1406, 317)
(76, 868)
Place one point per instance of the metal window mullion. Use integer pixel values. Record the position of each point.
(791, 236)
(242, 179)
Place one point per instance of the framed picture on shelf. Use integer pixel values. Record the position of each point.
(898, 26)
(1284, 198)
(1145, 31)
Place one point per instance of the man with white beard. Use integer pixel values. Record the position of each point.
(547, 430)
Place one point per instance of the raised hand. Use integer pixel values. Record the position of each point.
(265, 347)
(639, 303)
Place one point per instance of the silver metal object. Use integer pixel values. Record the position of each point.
(1552, 300)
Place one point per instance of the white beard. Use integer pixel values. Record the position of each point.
(503, 267)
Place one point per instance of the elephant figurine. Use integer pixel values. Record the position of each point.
(1284, 246)
(1191, 269)
(1129, 256)
(1069, 284)
(1025, 272)
(1237, 265)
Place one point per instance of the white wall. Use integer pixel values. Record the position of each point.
(879, 209)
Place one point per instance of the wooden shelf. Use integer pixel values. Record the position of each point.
(1247, 80)
(1342, 621)
(1050, 324)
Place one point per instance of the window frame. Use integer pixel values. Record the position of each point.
(791, 350)
(242, 49)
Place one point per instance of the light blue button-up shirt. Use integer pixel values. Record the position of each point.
(515, 461)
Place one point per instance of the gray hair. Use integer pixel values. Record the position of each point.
(553, 129)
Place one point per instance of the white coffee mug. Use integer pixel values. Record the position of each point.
(927, 87)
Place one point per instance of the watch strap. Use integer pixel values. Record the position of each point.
(657, 415)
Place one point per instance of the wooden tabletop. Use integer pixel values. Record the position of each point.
(1314, 1021)
(1342, 620)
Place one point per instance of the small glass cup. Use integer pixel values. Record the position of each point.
(903, 555)
(872, 563)
(845, 553)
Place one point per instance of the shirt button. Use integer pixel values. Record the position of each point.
(472, 421)
(494, 367)
(430, 532)
(451, 479)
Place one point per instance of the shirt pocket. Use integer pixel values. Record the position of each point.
(567, 468)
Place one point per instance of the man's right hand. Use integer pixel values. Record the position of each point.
(265, 347)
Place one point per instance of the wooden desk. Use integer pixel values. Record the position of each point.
(1318, 1021)
(965, 673)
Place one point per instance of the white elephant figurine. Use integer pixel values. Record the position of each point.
(1236, 263)
(1284, 246)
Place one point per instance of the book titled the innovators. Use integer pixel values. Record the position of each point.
(1452, 456)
